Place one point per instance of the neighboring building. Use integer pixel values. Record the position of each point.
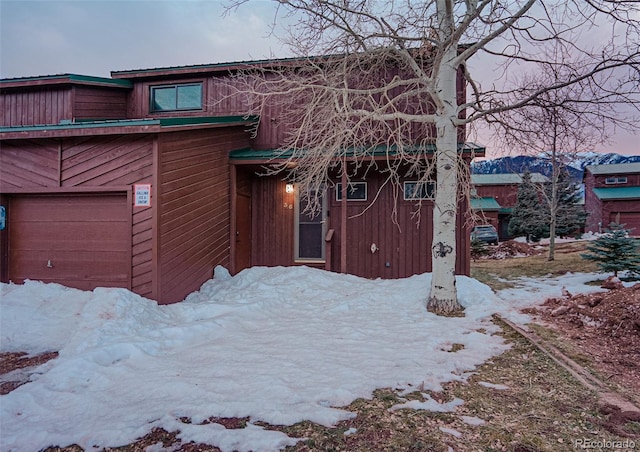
(612, 194)
(139, 181)
(494, 195)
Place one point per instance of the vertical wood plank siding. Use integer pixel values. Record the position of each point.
(405, 246)
(194, 207)
(273, 222)
(403, 241)
(46, 106)
(50, 106)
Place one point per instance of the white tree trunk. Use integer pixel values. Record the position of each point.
(443, 297)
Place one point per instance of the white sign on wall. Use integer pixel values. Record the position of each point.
(142, 195)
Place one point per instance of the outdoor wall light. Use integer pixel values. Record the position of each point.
(289, 188)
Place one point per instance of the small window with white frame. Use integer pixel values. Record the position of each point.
(356, 191)
(419, 190)
(615, 180)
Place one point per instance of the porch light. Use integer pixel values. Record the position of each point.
(289, 188)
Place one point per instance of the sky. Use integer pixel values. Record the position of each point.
(94, 37)
(278, 345)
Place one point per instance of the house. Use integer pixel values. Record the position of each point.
(612, 194)
(140, 181)
(494, 195)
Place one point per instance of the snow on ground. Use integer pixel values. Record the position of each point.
(279, 345)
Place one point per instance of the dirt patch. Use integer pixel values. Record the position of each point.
(604, 326)
(19, 360)
(511, 248)
(602, 331)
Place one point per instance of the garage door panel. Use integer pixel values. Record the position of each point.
(63, 239)
(70, 236)
(631, 220)
(73, 209)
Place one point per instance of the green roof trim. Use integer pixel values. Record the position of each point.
(614, 193)
(488, 203)
(161, 122)
(379, 151)
(69, 78)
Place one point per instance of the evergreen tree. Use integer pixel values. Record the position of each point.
(528, 218)
(615, 251)
(570, 215)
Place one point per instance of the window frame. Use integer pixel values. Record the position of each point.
(175, 86)
(296, 226)
(338, 191)
(613, 180)
(430, 196)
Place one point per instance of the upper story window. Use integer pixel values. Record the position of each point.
(356, 191)
(615, 180)
(419, 190)
(176, 97)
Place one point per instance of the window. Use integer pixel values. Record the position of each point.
(615, 180)
(356, 191)
(176, 97)
(310, 230)
(415, 190)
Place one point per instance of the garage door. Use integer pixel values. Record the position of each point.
(631, 220)
(80, 241)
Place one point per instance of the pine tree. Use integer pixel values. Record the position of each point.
(528, 218)
(570, 215)
(615, 251)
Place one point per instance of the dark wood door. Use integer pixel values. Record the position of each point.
(243, 232)
(81, 241)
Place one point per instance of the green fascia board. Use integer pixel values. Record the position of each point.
(194, 120)
(615, 193)
(163, 122)
(378, 151)
(71, 78)
(485, 204)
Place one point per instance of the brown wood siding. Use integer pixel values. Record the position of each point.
(47, 106)
(272, 223)
(506, 195)
(80, 241)
(194, 207)
(402, 248)
(29, 164)
(406, 248)
(99, 103)
(119, 160)
(108, 160)
(633, 180)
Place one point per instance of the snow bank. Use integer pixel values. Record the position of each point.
(278, 345)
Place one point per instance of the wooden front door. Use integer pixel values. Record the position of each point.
(81, 241)
(243, 232)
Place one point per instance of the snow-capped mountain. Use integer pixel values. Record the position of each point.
(521, 163)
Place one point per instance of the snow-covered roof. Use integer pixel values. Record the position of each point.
(506, 179)
(615, 168)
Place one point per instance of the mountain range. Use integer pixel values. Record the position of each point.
(537, 164)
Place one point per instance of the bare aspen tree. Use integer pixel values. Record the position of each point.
(336, 112)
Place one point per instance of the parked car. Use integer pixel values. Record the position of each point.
(485, 233)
